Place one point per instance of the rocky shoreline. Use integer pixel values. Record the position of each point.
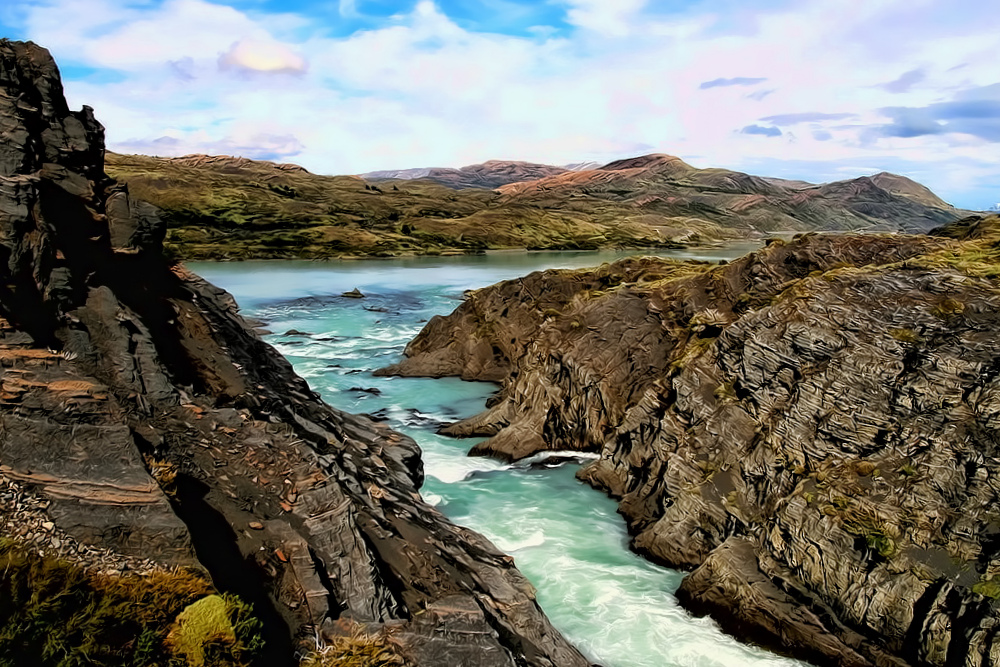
(143, 419)
(811, 429)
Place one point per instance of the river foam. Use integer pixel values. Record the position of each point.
(565, 537)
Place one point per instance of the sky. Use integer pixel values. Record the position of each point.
(816, 90)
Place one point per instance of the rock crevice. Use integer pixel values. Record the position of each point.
(810, 429)
(146, 418)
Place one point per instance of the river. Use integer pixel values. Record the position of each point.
(566, 538)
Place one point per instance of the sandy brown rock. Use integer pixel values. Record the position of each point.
(144, 417)
(811, 429)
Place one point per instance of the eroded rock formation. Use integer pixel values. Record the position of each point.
(143, 424)
(811, 429)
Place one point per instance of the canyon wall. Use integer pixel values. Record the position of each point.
(811, 430)
(144, 426)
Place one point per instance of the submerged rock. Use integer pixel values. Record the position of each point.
(142, 420)
(811, 429)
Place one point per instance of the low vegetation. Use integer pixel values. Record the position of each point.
(228, 208)
(224, 207)
(55, 614)
(356, 649)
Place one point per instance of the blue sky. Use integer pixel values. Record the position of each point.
(813, 89)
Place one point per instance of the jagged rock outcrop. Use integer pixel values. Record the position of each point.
(811, 429)
(142, 416)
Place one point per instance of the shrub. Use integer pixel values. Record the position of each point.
(358, 649)
(215, 630)
(55, 614)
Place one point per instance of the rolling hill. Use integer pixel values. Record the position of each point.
(234, 208)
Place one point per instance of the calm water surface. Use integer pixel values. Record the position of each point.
(566, 537)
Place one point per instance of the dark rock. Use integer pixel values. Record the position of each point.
(141, 410)
(812, 429)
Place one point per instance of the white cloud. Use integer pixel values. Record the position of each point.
(421, 90)
(262, 56)
(606, 17)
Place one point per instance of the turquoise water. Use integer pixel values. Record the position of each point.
(565, 537)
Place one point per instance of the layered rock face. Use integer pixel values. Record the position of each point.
(811, 429)
(144, 425)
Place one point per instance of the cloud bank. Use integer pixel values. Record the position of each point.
(365, 84)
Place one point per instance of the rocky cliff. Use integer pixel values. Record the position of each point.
(812, 430)
(144, 427)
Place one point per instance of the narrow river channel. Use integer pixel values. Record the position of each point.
(566, 537)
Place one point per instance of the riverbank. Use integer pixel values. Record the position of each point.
(567, 538)
(809, 428)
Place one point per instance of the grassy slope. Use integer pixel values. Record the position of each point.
(55, 614)
(241, 209)
(222, 207)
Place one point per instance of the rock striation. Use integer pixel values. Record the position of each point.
(144, 425)
(811, 430)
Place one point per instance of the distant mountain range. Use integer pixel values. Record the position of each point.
(490, 174)
(218, 206)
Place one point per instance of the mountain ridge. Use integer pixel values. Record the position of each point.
(810, 429)
(234, 208)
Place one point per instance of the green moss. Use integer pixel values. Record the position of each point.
(879, 536)
(55, 614)
(692, 350)
(882, 543)
(725, 392)
(216, 630)
(201, 624)
(906, 336)
(989, 588)
(948, 308)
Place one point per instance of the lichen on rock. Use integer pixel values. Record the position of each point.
(811, 429)
(143, 421)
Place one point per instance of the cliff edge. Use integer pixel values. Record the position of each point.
(144, 427)
(811, 430)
